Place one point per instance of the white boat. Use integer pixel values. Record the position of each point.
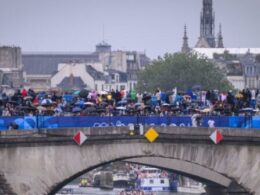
(153, 179)
(121, 180)
(192, 188)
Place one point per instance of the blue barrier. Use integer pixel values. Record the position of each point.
(38, 122)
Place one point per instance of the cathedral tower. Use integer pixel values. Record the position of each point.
(207, 26)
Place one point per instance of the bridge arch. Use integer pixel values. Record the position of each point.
(194, 171)
(185, 158)
(40, 168)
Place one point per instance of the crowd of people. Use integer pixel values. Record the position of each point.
(122, 102)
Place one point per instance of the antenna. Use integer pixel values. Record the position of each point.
(103, 33)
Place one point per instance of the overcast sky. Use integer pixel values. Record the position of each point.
(154, 26)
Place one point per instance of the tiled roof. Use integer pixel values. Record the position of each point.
(94, 73)
(48, 63)
(72, 83)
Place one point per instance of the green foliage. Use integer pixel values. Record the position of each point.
(182, 71)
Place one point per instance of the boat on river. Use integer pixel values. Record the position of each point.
(121, 180)
(155, 180)
(192, 189)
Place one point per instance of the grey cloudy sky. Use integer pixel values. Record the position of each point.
(155, 26)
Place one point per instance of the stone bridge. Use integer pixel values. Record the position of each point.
(39, 163)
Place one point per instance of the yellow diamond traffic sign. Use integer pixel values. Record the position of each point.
(151, 135)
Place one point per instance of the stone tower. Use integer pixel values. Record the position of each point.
(185, 46)
(220, 38)
(207, 26)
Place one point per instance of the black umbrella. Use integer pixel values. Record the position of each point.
(20, 107)
(12, 102)
(100, 110)
(103, 104)
(90, 109)
(83, 93)
(146, 97)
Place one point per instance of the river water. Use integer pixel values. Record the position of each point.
(98, 191)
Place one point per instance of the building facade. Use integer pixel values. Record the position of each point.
(241, 65)
(11, 66)
(42, 70)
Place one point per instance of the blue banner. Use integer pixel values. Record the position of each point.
(37, 122)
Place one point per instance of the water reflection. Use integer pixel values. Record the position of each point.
(98, 191)
(118, 176)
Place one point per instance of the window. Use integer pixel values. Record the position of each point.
(162, 181)
(151, 181)
(117, 78)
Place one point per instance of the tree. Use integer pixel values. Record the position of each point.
(182, 71)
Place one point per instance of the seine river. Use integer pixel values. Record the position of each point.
(97, 191)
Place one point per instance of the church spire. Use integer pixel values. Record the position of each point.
(207, 25)
(185, 46)
(220, 38)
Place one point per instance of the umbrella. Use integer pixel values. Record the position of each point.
(13, 102)
(90, 109)
(147, 97)
(83, 93)
(103, 104)
(76, 109)
(76, 92)
(206, 110)
(28, 98)
(100, 110)
(25, 107)
(46, 102)
(89, 104)
(122, 102)
(121, 108)
(79, 103)
(165, 104)
(247, 110)
(41, 108)
(103, 92)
